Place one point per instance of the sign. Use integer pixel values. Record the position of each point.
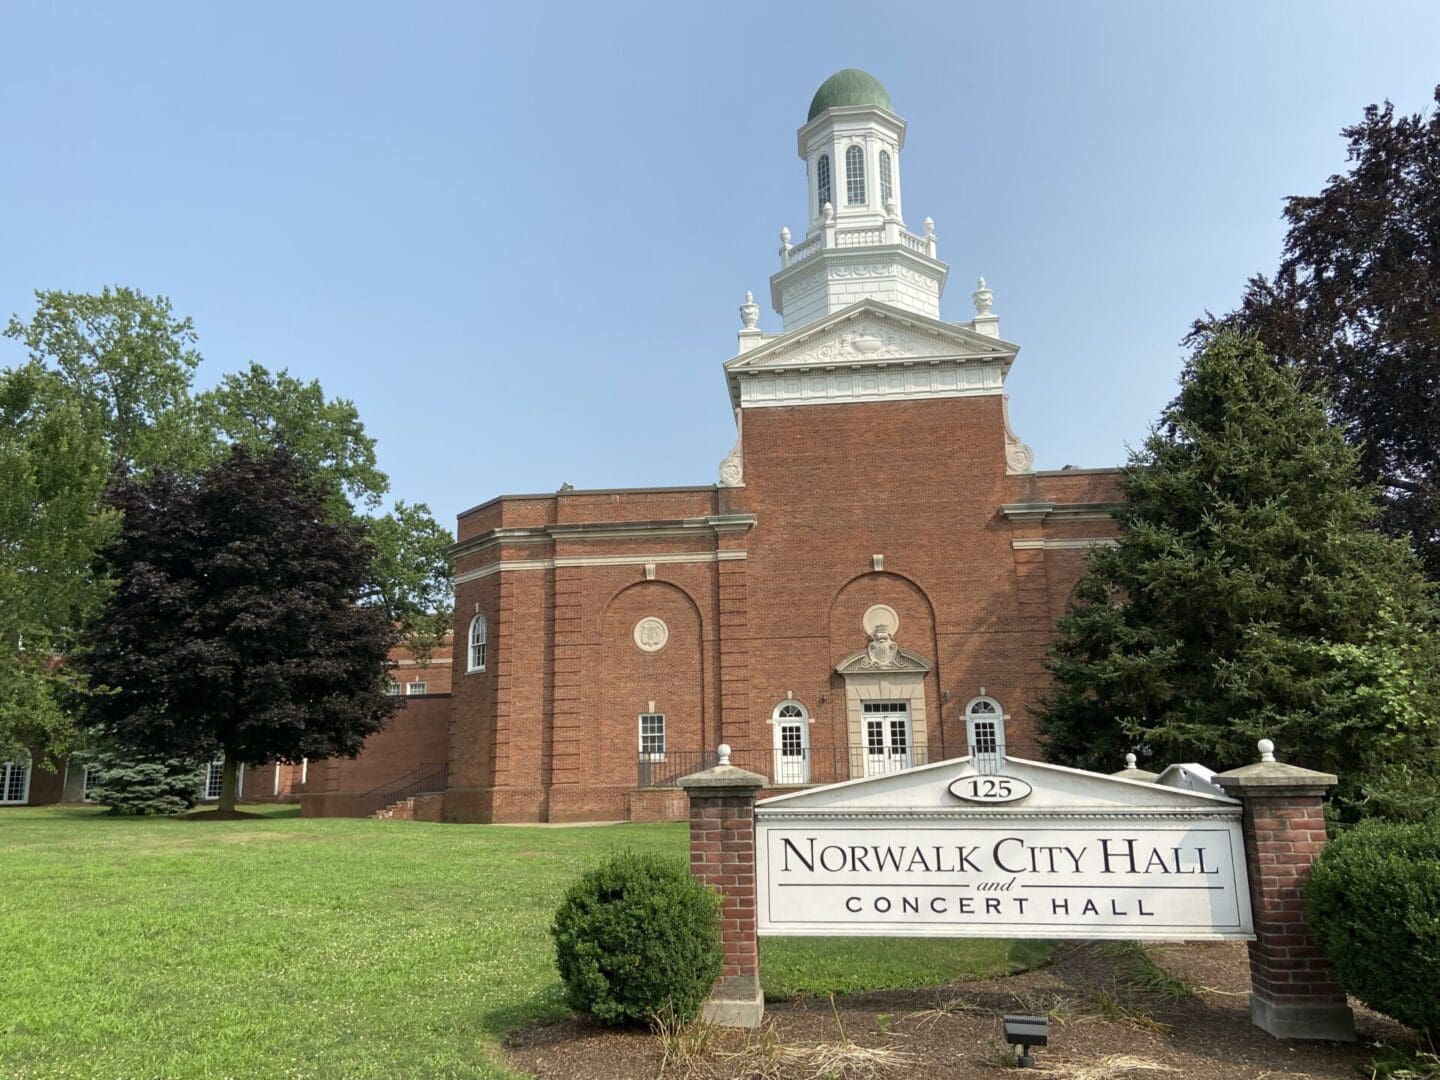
(938, 851)
(990, 789)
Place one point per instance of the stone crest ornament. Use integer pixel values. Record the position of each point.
(876, 614)
(651, 634)
(882, 650)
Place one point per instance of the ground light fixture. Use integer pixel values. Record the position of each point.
(1024, 1032)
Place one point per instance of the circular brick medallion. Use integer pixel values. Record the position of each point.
(651, 634)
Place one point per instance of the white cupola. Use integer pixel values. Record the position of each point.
(856, 246)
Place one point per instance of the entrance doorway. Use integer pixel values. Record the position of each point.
(792, 744)
(887, 737)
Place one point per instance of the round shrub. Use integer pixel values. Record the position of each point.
(636, 937)
(1373, 900)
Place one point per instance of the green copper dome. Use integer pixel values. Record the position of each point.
(849, 87)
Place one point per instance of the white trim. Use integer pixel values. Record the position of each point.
(596, 560)
(998, 717)
(788, 770)
(897, 380)
(6, 770)
(640, 733)
(1064, 545)
(471, 667)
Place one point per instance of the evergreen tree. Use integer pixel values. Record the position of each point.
(235, 625)
(1250, 595)
(1355, 306)
(130, 786)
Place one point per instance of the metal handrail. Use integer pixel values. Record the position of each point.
(827, 765)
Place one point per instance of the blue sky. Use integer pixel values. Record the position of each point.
(516, 235)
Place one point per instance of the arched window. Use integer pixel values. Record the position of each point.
(887, 187)
(792, 743)
(15, 782)
(823, 193)
(985, 730)
(478, 637)
(854, 175)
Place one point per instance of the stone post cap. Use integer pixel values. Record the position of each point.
(1131, 771)
(723, 775)
(1271, 777)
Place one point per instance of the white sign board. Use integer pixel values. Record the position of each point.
(1080, 855)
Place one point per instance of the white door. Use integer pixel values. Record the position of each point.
(792, 744)
(887, 737)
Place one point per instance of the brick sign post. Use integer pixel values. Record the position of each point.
(1025, 850)
(1293, 994)
(722, 855)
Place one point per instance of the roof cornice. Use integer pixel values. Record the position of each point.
(714, 525)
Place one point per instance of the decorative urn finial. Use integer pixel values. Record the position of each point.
(1267, 750)
(1130, 761)
(724, 753)
(749, 311)
(983, 297)
(828, 212)
(929, 226)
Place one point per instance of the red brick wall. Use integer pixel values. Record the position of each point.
(418, 734)
(549, 731)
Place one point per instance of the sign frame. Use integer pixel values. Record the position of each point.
(1153, 862)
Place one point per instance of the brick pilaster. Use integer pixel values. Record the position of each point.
(1293, 993)
(722, 856)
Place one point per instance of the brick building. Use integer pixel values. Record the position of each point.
(871, 584)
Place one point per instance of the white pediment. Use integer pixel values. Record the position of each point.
(1053, 789)
(870, 332)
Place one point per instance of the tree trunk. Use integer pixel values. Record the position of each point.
(229, 780)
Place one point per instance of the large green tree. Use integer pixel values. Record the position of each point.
(1355, 307)
(411, 575)
(52, 470)
(129, 360)
(235, 626)
(107, 384)
(1249, 594)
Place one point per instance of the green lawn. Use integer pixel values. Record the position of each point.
(139, 948)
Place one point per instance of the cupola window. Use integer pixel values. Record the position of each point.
(887, 187)
(854, 175)
(823, 191)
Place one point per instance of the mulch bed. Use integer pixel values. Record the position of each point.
(1102, 1028)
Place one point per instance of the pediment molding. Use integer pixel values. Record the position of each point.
(870, 332)
(863, 663)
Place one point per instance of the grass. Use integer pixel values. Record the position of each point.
(282, 947)
(792, 967)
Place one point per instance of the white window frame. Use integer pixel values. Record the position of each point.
(790, 713)
(7, 770)
(475, 661)
(986, 709)
(394, 689)
(887, 186)
(411, 691)
(651, 755)
(824, 184)
(855, 191)
(215, 768)
(85, 778)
